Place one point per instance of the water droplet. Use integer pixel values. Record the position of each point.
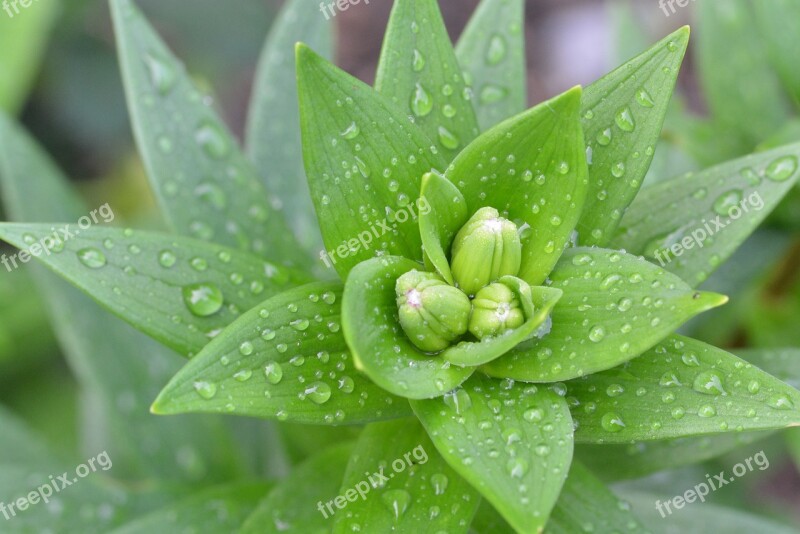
(274, 372)
(459, 400)
(346, 384)
(517, 467)
(644, 98)
(439, 483)
(597, 333)
(162, 75)
(246, 348)
(418, 62)
(781, 402)
(624, 120)
(300, 324)
(397, 501)
(533, 415)
(167, 258)
(207, 390)
(707, 411)
(491, 94)
(612, 422)
(203, 299)
(211, 138)
(351, 132)
(618, 169)
(496, 51)
(448, 139)
(709, 383)
(211, 194)
(243, 376)
(318, 392)
(92, 258)
(781, 169)
(328, 297)
(727, 201)
(421, 101)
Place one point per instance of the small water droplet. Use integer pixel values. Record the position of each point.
(398, 501)
(209, 135)
(207, 390)
(203, 299)
(92, 258)
(612, 422)
(439, 483)
(351, 132)
(274, 372)
(318, 392)
(418, 61)
(624, 120)
(421, 101)
(709, 383)
(781, 169)
(727, 201)
(496, 50)
(644, 98)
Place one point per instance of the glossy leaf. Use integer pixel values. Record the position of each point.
(783, 364)
(513, 442)
(680, 388)
(439, 224)
(284, 359)
(615, 306)
(273, 121)
(542, 300)
(117, 367)
(779, 25)
(587, 505)
(420, 492)
(178, 290)
(616, 462)
(380, 347)
(289, 506)
(623, 113)
(691, 224)
(204, 184)
(543, 188)
(364, 162)
(492, 53)
(742, 91)
(219, 509)
(419, 72)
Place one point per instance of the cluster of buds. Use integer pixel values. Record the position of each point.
(435, 314)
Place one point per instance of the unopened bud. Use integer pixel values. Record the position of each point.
(495, 309)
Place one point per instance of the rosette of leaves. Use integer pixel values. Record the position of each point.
(394, 171)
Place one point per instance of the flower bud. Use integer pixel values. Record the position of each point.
(495, 309)
(433, 313)
(485, 248)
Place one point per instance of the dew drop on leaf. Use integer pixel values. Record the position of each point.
(274, 372)
(92, 258)
(203, 299)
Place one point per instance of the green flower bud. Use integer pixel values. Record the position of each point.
(495, 309)
(485, 248)
(433, 313)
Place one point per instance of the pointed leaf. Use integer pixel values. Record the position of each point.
(693, 223)
(178, 290)
(783, 364)
(273, 120)
(542, 187)
(364, 162)
(219, 509)
(288, 507)
(380, 347)
(586, 504)
(742, 91)
(284, 359)
(513, 442)
(439, 224)
(615, 306)
(204, 184)
(419, 72)
(779, 22)
(115, 365)
(541, 299)
(492, 53)
(418, 481)
(680, 388)
(622, 117)
(616, 462)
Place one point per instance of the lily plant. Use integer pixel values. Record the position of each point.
(493, 284)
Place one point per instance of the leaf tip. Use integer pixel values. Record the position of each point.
(707, 300)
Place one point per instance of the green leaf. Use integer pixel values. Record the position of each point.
(439, 224)
(693, 223)
(742, 90)
(418, 72)
(783, 364)
(364, 162)
(23, 40)
(543, 188)
(380, 347)
(616, 462)
(705, 517)
(541, 302)
(284, 359)
(623, 113)
(680, 388)
(492, 53)
(779, 25)
(219, 509)
(273, 121)
(289, 506)
(178, 290)
(587, 505)
(513, 442)
(417, 482)
(204, 184)
(615, 307)
(118, 368)
(19, 445)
